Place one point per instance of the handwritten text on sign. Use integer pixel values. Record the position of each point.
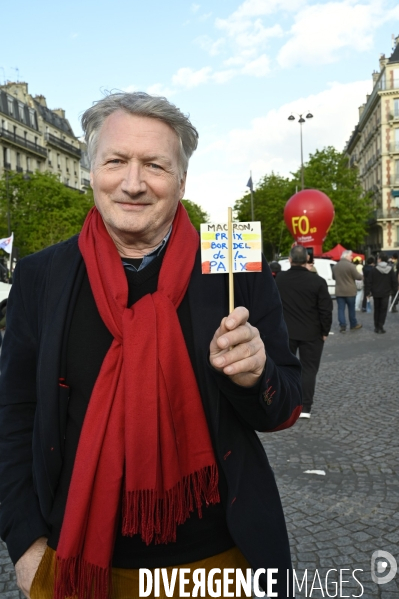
(247, 248)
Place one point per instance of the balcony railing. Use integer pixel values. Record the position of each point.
(22, 142)
(20, 169)
(388, 85)
(387, 214)
(85, 182)
(64, 145)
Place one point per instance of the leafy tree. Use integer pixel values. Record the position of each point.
(42, 210)
(195, 213)
(328, 170)
(270, 197)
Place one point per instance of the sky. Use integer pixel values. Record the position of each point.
(239, 69)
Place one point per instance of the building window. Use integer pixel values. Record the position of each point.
(396, 108)
(32, 118)
(10, 106)
(396, 176)
(27, 163)
(21, 112)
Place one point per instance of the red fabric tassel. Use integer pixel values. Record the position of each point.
(75, 578)
(157, 518)
(145, 423)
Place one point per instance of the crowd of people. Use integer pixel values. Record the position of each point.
(308, 307)
(358, 286)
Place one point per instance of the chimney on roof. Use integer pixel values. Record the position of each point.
(60, 112)
(18, 89)
(383, 61)
(361, 109)
(41, 100)
(375, 75)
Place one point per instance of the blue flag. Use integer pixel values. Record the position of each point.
(250, 184)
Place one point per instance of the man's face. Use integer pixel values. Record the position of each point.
(136, 178)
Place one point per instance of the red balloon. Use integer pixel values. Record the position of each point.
(309, 215)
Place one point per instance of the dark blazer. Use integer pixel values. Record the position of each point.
(306, 303)
(33, 407)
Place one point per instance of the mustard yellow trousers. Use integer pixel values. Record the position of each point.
(125, 583)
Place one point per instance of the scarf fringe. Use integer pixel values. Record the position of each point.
(144, 513)
(75, 578)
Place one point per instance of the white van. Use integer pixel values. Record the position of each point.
(324, 269)
(4, 291)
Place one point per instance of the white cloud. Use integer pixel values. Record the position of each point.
(158, 89)
(187, 77)
(258, 67)
(130, 89)
(195, 8)
(224, 76)
(207, 44)
(205, 16)
(254, 8)
(271, 142)
(214, 190)
(321, 31)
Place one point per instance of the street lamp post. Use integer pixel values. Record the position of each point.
(301, 120)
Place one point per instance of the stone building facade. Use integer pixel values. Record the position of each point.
(374, 148)
(34, 137)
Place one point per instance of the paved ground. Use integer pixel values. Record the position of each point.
(338, 520)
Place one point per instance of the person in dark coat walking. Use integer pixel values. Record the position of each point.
(383, 284)
(307, 307)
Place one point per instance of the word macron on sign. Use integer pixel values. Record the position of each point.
(246, 248)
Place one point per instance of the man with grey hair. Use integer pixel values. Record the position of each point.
(129, 397)
(307, 307)
(346, 275)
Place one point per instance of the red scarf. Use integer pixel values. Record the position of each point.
(144, 438)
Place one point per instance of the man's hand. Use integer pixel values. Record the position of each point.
(324, 337)
(27, 565)
(237, 349)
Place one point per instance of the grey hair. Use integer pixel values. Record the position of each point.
(346, 253)
(140, 104)
(298, 254)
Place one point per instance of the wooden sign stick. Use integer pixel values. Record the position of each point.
(231, 275)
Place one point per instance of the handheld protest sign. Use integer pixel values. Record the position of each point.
(245, 250)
